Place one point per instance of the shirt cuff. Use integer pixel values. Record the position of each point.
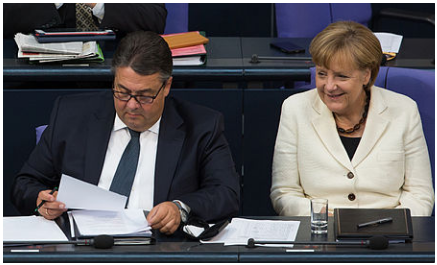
(58, 5)
(184, 206)
(99, 11)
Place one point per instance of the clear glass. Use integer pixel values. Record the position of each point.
(319, 216)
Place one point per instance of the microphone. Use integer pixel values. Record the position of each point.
(100, 242)
(375, 242)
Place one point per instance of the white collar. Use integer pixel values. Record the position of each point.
(119, 124)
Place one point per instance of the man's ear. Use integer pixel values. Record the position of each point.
(168, 86)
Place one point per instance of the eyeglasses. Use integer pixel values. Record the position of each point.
(139, 98)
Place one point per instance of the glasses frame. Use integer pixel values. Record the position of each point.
(152, 98)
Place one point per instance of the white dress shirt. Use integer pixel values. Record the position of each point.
(141, 196)
(98, 10)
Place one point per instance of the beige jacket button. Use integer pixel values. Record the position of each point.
(350, 175)
(351, 197)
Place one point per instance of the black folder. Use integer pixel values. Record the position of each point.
(346, 223)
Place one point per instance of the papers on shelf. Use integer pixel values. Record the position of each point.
(240, 230)
(389, 42)
(29, 47)
(124, 223)
(31, 228)
(191, 55)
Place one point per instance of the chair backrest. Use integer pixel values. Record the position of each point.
(307, 20)
(177, 18)
(420, 86)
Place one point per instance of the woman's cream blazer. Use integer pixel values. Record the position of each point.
(390, 168)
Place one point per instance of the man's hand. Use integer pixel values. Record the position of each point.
(165, 217)
(91, 5)
(51, 209)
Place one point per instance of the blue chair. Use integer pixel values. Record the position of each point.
(420, 86)
(307, 20)
(177, 18)
(38, 131)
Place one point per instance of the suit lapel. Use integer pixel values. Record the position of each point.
(324, 125)
(375, 127)
(100, 125)
(170, 141)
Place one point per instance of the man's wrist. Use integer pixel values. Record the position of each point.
(182, 211)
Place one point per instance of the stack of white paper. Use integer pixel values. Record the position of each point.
(31, 228)
(99, 211)
(29, 47)
(127, 223)
(240, 230)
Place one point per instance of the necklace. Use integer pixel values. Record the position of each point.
(358, 125)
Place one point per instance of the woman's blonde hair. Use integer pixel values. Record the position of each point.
(350, 41)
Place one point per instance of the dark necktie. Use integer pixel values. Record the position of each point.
(125, 174)
(84, 18)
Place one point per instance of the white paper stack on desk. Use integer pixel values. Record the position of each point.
(99, 211)
(30, 48)
(127, 223)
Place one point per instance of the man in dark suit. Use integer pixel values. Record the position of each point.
(123, 18)
(184, 166)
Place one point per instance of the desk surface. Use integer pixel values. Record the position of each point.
(170, 249)
(228, 59)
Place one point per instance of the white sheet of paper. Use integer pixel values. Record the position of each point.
(125, 222)
(240, 230)
(31, 228)
(77, 194)
(389, 42)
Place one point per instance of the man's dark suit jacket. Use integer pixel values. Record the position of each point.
(193, 160)
(123, 18)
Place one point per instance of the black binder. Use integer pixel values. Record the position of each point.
(346, 223)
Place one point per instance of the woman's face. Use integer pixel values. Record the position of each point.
(341, 87)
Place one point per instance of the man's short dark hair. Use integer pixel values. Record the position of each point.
(145, 52)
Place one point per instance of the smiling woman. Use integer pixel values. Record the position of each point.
(347, 58)
(331, 140)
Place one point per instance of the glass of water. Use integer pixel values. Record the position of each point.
(319, 216)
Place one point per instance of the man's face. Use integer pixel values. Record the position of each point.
(139, 117)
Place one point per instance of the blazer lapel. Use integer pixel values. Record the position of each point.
(170, 141)
(100, 125)
(324, 125)
(375, 127)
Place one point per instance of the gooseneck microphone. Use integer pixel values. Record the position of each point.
(375, 242)
(100, 242)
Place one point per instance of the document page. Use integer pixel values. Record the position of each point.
(78, 194)
(31, 228)
(128, 222)
(240, 230)
(389, 42)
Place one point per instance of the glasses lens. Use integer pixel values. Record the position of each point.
(121, 95)
(145, 99)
